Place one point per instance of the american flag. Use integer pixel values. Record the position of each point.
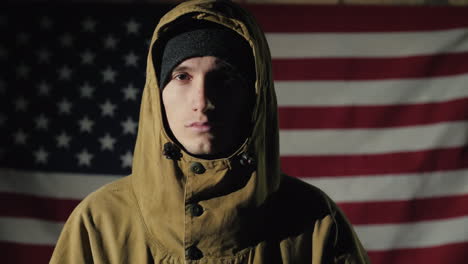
(373, 106)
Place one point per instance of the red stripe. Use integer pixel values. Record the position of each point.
(391, 212)
(333, 18)
(371, 164)
(24, 253)
(370, 68)
(456, 253)
(21, 205)
(372, 116)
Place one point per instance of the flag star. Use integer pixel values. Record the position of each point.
(21, 104)
(86, 125)
(22, 71)
(107, 142)
(131, 59)
(87, 57)
(107, 108)
(126, 159)
(110, 42)
(108, 75)
(44, 56)
(63, 140)
(129, 126)
(86, 90)
(45, 23)
(89, 24)
(130, 92)
(84, 158)
(64, 106)
(42, 122)
(132, 27)
(66, 40)
(41, 155)
(65, 73)
(22, 38)
(44, 88)
(20, 137)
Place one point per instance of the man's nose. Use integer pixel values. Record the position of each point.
(201, 98)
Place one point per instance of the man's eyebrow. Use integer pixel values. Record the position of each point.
(181, 68)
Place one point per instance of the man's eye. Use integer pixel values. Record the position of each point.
(181, 76)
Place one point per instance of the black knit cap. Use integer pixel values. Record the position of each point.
(202, 38)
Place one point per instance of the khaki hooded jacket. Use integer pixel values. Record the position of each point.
(176, 208)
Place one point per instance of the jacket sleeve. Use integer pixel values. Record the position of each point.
(345, 246)
(78, 241)
(335, 241)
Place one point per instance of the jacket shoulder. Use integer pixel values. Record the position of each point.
(102, 218)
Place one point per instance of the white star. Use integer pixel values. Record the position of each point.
(84, 158)
(89, 24)
(64, 106)
(22, 71)
(66, 40)
(107, 108)
(129, 126)
(21, 104)
(63, 140)
(107, 142)
(41, 156)
(126, 159)
(130, 92)
(22, 38)
(44, 56)
(86, 90)
(108, 75)
(65, 73)
(44, 88)
(87, 57)
(110, 42)
(42, 122)
(45, 23)
(86, 125)
(132, 27)
(131, 59)
(20, 137)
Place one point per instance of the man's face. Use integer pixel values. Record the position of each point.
(207, 106)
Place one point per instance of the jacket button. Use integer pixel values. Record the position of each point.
(193, 253)
(195, 209)
(197, 168)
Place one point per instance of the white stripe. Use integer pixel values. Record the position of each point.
(326, 45)
(29, 231)
(415, 235)
(374, 188)
(372, 141)
(48, 184)
(340, 93)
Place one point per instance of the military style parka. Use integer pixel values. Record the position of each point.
(176, 208)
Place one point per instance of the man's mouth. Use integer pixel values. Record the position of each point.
(200, 126)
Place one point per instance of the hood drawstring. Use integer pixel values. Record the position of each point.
(247, 160)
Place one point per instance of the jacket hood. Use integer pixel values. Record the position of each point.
(225, 187)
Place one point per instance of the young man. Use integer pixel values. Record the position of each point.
(206, 185)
